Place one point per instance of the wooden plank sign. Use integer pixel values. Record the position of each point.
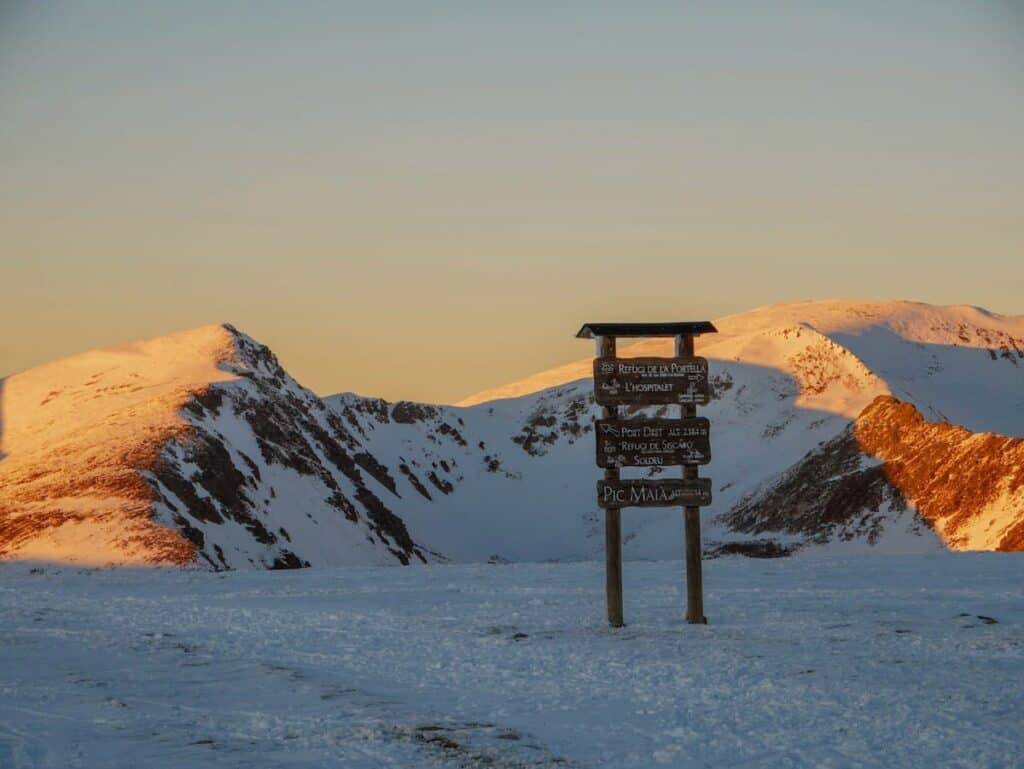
(650, 381)
(644, 493)
(653, 442)
(681, 381)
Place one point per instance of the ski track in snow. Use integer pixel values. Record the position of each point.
(808, 662)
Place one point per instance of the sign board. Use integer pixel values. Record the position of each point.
(653, 442)
(644, 493)
(650, 381)
(678, 381)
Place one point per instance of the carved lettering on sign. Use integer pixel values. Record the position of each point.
(644, 493)
(651, 381)
(653, 442)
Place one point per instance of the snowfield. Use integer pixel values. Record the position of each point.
(895, 661)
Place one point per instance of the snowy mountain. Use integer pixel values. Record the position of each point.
(863, 426)
(190, 448)
(803, 393)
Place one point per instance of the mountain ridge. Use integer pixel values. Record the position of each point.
(921, 323)
(198, 448)
(136, 468)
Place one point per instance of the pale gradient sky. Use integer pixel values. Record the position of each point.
(422, 200)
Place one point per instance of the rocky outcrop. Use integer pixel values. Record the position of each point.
(968, 486)
(194, 449)
(305, 450)
(834, 493)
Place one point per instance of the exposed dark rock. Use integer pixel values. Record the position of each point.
(253, 467)
(386, 523)
(407, 412)
(340, 502)
(200, 508)
(192, 534)
(277, 445)
(756, 548)
(293, 429)
(217, 474)
(220, 556)
(350, 415)
(445, 487)
(446, 429)
(414, 480)
(331, 449)
(341, 433)
(378, 471)
(720, 384)
(211, 399)
(833, 492)
(375, 408)
(536, 434)
(259, 356)
(288, 560)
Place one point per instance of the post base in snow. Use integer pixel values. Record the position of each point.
(613, 564)
(694, 576)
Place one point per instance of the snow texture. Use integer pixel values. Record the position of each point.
(883, 661)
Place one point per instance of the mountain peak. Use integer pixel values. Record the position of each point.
(120, 456)
(876, 331)
(197, 448)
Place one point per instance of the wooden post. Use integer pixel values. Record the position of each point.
(691, 519)
(650, 381)
(612, 517)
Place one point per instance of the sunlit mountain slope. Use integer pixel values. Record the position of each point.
(191, 448)
(863, 426)
(959, 364)
(789, 380)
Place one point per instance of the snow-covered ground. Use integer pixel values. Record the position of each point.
(901, 661)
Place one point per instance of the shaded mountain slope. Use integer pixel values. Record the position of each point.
(892, 467)
(191, 448)
(844, 425)
(789, 381)
(958, 364)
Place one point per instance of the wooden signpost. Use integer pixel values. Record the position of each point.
(647, 443)
(650, 381)
(653, 442)
(643, 493)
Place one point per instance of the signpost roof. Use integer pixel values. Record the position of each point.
(692, 328)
